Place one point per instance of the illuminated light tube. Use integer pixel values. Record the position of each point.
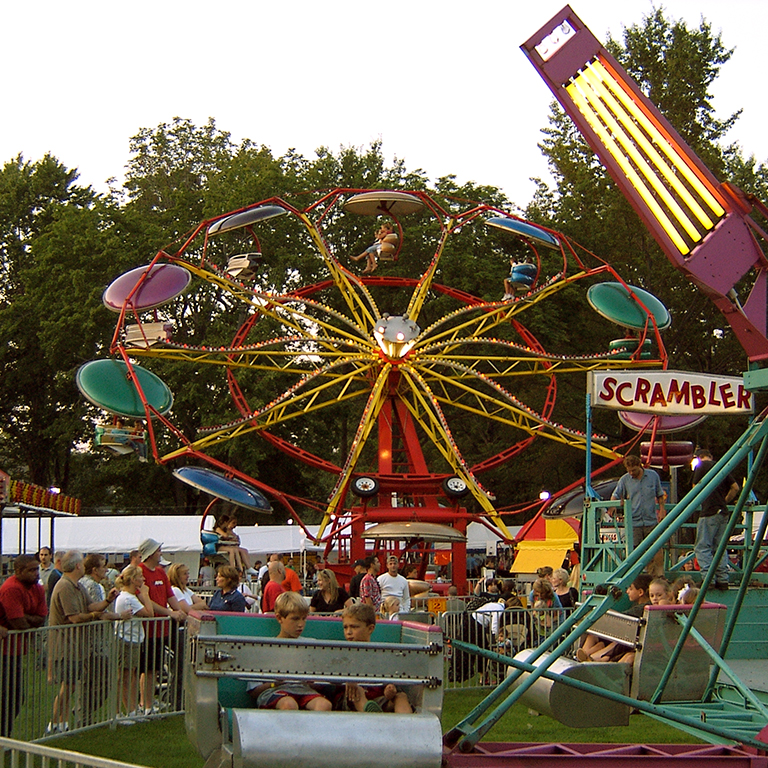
(632, 176)
(593, 99)
(678, 158)
(651, 152)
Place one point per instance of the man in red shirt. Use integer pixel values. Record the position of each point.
(22, 606)
(164, 603)
(274, 587)
(291, 581)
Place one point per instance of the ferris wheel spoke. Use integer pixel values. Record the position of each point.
(298, 358)
(527, 421)
(421, 291)
(315, 392)
(359, 306)
(425, 409)
(500, 367)
(497, 404)
(309, 395)
(279, 307)
(231, 287)
(368, 420)
(493, 315)
(283, 309)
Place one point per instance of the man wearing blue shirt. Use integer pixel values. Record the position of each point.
(642, 487)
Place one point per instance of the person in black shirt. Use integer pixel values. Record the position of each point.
(354, 584)
(713, 520)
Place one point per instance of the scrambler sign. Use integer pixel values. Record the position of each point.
(669, 392)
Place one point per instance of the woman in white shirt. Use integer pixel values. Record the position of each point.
(178, 575)
(133, 596)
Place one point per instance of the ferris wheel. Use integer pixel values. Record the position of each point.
(408, 360)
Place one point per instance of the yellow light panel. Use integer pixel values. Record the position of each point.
(632, 176)
(592, 97)
(702, 187)
(631, 126)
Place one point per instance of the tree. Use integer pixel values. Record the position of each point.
(56, 249)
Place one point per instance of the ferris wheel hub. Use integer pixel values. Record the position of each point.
(396, 335)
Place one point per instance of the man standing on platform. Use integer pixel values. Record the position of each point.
(642, 487)
(713, 520)
(392, 584)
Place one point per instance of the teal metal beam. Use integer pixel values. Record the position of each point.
(470, 739)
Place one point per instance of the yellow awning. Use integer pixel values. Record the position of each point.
(532, 555)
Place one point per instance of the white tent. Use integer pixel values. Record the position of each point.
(120, 534)
(479, 536)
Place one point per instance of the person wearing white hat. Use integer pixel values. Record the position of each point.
(164, 603)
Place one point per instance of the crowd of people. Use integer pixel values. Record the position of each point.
(84, 597)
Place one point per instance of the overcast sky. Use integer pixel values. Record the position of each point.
(442, 83)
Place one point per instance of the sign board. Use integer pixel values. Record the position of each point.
(670, 392)
(436, 604)
(609, 534)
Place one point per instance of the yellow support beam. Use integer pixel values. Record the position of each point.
(360, 309)
(370, 414)
(429, 416)
(285, 409)
(419, 295)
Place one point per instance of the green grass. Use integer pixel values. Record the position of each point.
(163, 743)
(519, 725)
(159, 743)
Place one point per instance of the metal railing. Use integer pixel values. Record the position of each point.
(18, 753)
(71, 678)
(505, 632)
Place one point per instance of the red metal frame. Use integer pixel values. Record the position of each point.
(533, 755)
